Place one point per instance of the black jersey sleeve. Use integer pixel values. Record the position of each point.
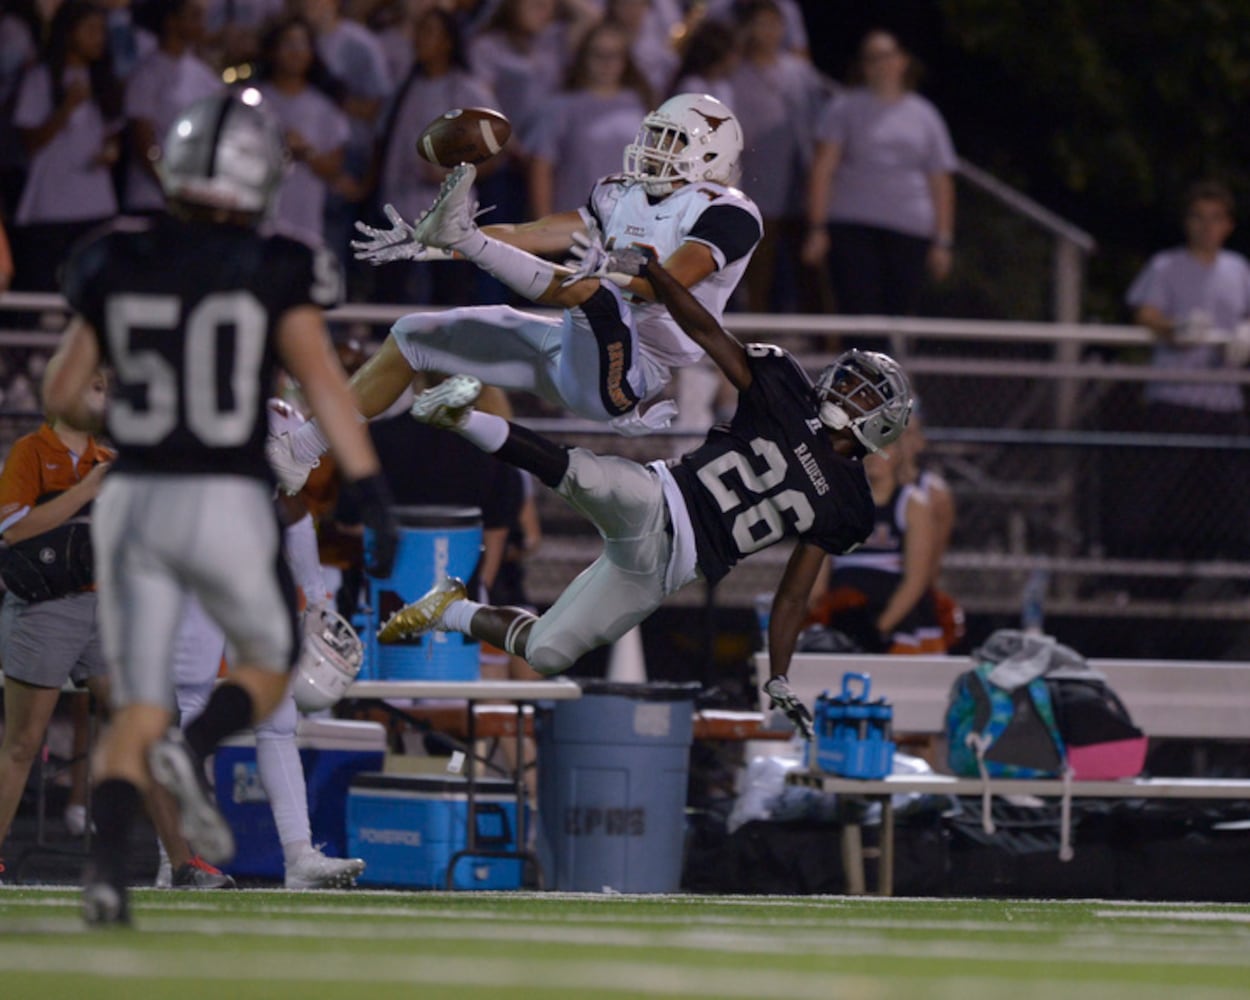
(82, 281)
(779, 385)
(731, 229)
(303, 274)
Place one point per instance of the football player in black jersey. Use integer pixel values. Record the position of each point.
(193, 311)
(785, 466)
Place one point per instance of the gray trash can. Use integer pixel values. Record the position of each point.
(612, 775)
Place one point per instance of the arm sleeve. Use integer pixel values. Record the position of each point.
(301, 554)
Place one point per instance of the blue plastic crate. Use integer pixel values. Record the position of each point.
(853, 734)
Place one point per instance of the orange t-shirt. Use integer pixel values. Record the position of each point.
(40, 467)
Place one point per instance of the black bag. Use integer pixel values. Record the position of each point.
(50, 565)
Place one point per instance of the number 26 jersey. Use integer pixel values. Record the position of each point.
(771, 473)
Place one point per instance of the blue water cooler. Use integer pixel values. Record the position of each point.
(434, 542)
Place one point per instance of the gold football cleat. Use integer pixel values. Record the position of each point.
(424, 614)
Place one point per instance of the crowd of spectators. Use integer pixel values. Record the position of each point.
(87, 88)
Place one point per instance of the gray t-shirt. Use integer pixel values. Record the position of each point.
(1180, 286)
(314, 116)
(409, 182)
(583, 136)
(890, 149)
(158, 89)
(776, 105)
(521, 80)
(63, 184)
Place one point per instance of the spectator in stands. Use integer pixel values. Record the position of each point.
(355, 57)
(795, 32)
(162, 84)
(880, 193)
(440, 79)
(49, 631)
(778, 96)
(1182, 295)
(522, 53)
(913, 467)
(577, 136)
(710, 56)
(68, 111)
(298, 91)
(20, 27)
(881, 594)
(651, 50)
(234, 28)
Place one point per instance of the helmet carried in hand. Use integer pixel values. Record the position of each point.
(329, 660)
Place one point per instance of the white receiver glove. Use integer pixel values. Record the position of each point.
(590, 259)
(782, 696)
(397, 243)
(636, 424)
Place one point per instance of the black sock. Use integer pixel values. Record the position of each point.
(114, 803)
(227, 711)
(534, 453)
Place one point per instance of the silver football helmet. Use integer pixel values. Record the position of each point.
(224, 152)
(329, 660)
(690, 137)
(867, 392)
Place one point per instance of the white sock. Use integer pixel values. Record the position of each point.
(486, 430)
(282, 775)
(308, 443)
(459, 614)
(520, 270)
(294, 850)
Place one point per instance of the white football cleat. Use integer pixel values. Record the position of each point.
(176, 768)
(422, 615)
(313, 870)
(450, 218)
(291, 473)
(448, 404)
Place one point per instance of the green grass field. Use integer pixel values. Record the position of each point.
(379, 945)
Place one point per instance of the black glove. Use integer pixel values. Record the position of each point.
(373, 499)
(783, 697)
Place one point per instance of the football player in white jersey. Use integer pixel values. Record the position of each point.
(614, 346)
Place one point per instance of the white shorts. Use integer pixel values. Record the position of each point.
(159, 538)
(587, 360)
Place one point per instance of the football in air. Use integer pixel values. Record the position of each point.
(464, 135)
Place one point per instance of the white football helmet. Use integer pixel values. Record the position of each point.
(224, 152)
(690, 137)
(867, 392)
(329, 660)
(283, 417)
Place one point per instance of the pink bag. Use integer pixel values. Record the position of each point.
(1108, 761)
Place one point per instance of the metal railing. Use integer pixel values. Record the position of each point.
(1024, 480)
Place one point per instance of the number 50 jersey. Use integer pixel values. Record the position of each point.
(772, 473)
(186, 314)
